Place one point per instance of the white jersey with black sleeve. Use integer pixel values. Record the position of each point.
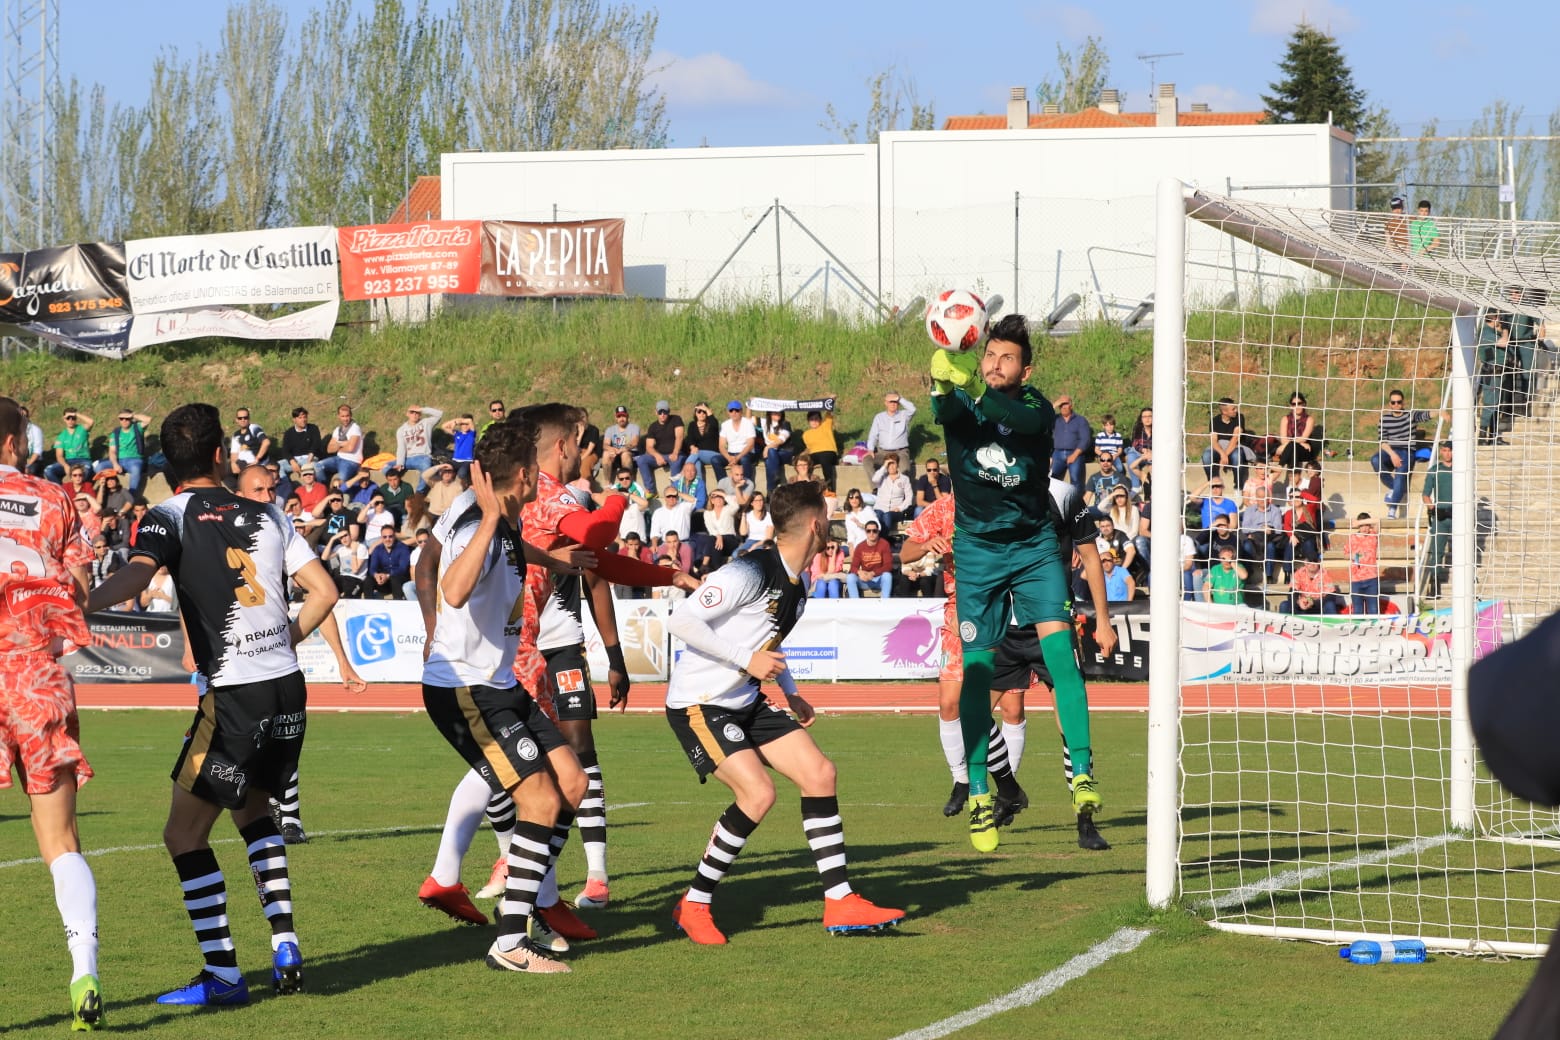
(475, 644)
(750, 604)
(230, 558)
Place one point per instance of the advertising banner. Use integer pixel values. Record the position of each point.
(564, 258)
(107, 336)
(63, 283)
(433, 256)
(130, 648)
(232, 323)
(243, 268)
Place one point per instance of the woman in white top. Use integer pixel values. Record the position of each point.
(349, 557)
(895, 497)
(857, 517)
(1123, 513)
(757, 525)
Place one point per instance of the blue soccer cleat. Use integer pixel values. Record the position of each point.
(206, 990)
(287, 969)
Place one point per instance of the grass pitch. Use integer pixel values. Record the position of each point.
(378, 964)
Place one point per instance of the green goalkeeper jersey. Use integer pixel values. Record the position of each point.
(999, 459)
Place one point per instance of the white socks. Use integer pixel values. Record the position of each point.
(547, 895)
(1015, 736)
(952, 738)
(75, 893)
(467, 804)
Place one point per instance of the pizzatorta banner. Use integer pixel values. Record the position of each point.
(432, 256)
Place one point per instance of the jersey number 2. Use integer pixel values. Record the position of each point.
(248, 593)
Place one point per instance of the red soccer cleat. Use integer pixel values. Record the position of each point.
(453, 900)
(854, 913)
(561, 918)
(695, 920)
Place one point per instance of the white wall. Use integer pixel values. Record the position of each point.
(942, 204)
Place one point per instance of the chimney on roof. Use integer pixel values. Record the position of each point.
(1018, 109)
(1200, 106)
(1167, 106)
(1050, 108)
(1110, 101)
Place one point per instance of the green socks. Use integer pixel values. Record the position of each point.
(1072, 700)
(975, 714)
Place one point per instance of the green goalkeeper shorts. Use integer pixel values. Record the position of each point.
(1022, 582)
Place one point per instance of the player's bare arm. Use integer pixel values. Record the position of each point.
(125, 583)
(319, 598)
(1094, 575)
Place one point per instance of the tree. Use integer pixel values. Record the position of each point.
(168, 167)
(892, 99)
(1081, 76)
(251, 68)
(79, 167)
(321, 156)
(1550, 207)
(391, 48)
(1317, 84)
(1377, 164)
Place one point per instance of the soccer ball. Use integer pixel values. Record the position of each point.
(956, 319)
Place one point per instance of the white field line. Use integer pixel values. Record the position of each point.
(1292, 878)
(1124, 941)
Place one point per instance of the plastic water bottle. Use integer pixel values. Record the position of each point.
(1399, 951)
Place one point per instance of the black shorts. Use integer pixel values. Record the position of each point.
(709, 735)
(1019, 664)
(574, 699)
(245, 736)
(502, 734)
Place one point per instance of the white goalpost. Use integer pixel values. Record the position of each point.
(1311, 768)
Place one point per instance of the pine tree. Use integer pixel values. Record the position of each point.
(1317, 80)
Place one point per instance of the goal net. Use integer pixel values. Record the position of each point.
(1312, 770)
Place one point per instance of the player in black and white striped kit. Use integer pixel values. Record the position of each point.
(230, 558)
(733, 627)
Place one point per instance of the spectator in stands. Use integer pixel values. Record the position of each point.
(348, 559)
(633, 546)
(932, 484)
(1212, 503)
(418, 545)
(333, 517)
(115, 531)
(1495, 371)
(1303, 529)
(1225, 580)
(127, 450)
(889, 433)
(1262, 540)
(283, 486)
(112, 498)
(389, 566)
(674, 516)
(374, 516)
(1190, 572)
(1261, 479)
(1226, 443)
(396, 495)
(857, 517)
(361, 489)
(668, 593)
(739, 488)
(1311, 592)
(662, 447)
(1119, 586)
(872, 563)
(778, 449)
(1109, 441)
(690, 485)
(1140, 450)
(1108, 539)
(895, 499)
(1308, 478)
(1364, 547)
(807, 470)
(87, 515)
(676, 550)
(302, 444)
(1070, 443)
(414, 438)
(720, 524)
(1394, 457)
(1423, 235)
(1296, 433)
(920, 578)
(701, 439)
(1397, 225)
(33, 464)
(1127, 518)
(496, 413)
(159, 597)
(310, 491)
(343, 451)
(1097, 489)
(1220, 536)
(443, 492)
(738, 440)
(820, 442)
(1437, 496)
(249, 446)
(827, 574)
(590, 453)
(463, 445)
(633, 521)
(104, 561)
(755, 525)
(72, 446)
(79, 482)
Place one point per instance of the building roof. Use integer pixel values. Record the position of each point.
(1098, 118)
(423, 202)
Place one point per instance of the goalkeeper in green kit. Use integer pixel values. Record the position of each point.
(998, 430)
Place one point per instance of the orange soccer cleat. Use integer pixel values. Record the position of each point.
(453, 900)
(695, 920)
(561, 918)
(854, 913)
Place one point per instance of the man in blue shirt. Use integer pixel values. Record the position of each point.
(1070, 443)
(389, 566)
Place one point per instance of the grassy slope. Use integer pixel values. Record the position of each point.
(601, 355)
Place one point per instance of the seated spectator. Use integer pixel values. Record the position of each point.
(284, 487)
(857, 517)
(1310, 584)
(827, 574)
(249, 445)
(1226, 443)
(87, 515)
(1303, 528)
(1220, 536)
(127, 450)
(419, 543)
(115, 532)
(33, 463)
(1071, 443)
(414, 438)
(1191, 574)
(895, 499)
(496, 413)
(633, 521)
(310, 491)
(1296, 434)
(701, 441)
(889, 433)
(375, 516)
(159, 596)
(920, 578)
(463, 447)
(1262, 540)
(807, 470)
(302, 445)
(590, 454)
(670, 593)
(1308, 478)
(755, 524)
(79, 482)
(620, 442)
(1226, 580)
(361, 489)
(690, 485)
(872, 563)
(738, 487)
(443, 491)
(1364, 547)
(348, 561)
(1119, 586)
(104, 562)
(112, 498)
(1096, 491)
(1108, 539)
(343, 451)
(931, 485)
(1261, 479)
(1108, 441)
(396, 494)
(738, 440)
(774, 433)
(675, 550)
(821, 444)
(675, 515)
(1140, 450)
(389, 566)
(720, 525)
(72, 446)
(662, 446)
(1131, 520)
(1394, 457)
(332, 518)
(1212, 503)
(633, 546)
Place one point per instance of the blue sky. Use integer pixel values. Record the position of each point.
(760, 74)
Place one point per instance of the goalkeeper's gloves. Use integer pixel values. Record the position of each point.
(960, 370)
